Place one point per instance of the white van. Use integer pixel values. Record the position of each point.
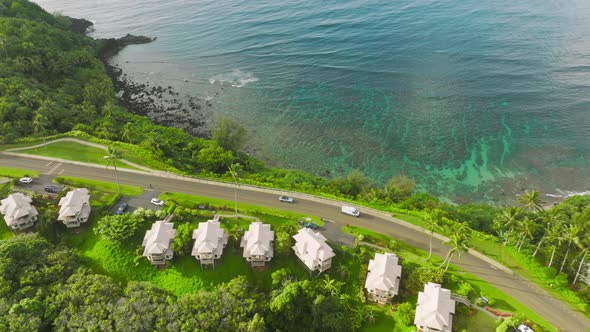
(350, 210)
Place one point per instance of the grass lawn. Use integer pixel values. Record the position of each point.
(18, 173)
(191, 201)
(475, 321)
(412, 255)
(95, 185)
(79, 152)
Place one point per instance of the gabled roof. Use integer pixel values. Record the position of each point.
(208, 237)
(313, 244)
(434, 308)
(157, 240)
(73, 202)
(16, 206)
(257, 240)
(384, 273)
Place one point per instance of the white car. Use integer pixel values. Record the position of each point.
(157, 201)
(25, 180)
(350, 210)
(286, 199)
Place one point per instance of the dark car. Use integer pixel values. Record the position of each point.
(308, 224)
(52, 189)
(122, 208)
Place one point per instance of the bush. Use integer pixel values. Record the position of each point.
(423, 275)
(465, 289)
(183, 238)
(118, 228)
(405, 313)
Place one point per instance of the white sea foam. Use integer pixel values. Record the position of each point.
(568, 194)
(236, 78)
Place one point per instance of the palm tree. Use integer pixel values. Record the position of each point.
(585, 251)
(570, 235)
(113, 155)
(457, 243)
(127, 131)
(330, 285)
(548, 219)
(433, 218)
(531, 201)
(554, 235)
(526, 228)
(507, 220)
(39, 123)
(233, 170)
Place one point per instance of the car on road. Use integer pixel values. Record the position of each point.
(121, 209)
(157, 201)
(350, 210)
(286, 199)
(308, 224)
(25, 180)
(52, 189)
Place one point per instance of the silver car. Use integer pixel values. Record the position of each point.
(286, 199)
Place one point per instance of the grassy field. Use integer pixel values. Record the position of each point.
(415, 256)
(191, 201)
(98, 185)
(79, 152)
(18, 173)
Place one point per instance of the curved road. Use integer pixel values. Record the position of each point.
(553, 310)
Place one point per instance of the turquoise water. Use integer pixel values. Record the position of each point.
(476, 100)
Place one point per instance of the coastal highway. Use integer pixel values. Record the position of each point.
(553, 310)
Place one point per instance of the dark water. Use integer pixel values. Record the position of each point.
(476, 100)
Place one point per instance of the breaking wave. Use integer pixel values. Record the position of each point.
(236, 78)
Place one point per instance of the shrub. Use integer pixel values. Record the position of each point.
(465, 289)
(117, 228)
(405, 313)
(423, 275)
(182, 240)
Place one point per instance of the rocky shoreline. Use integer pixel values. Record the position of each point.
(163, 105)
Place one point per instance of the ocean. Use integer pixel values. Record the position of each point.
(475, 100)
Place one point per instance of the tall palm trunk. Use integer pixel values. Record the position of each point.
(449, 262)
(430, 251)
(580, 266)
(552, 256)
(567, 252)
(539, 244)
(117, 177)
(446, 257)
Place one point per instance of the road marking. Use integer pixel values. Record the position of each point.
(49, 163)
(53, 169)
(62, 170)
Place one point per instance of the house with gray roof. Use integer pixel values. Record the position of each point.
(18, 212)
(210, 239)
(312, 250)
(435, 309)
(383, 278)
(157, 242)
(258, 243)
(75, 207)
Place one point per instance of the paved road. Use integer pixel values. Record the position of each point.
(554, 311)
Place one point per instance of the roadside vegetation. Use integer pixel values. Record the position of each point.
(101, 262)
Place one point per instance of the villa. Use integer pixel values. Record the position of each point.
(383, 278)
(312, 250)
(258, 243)
(158, 241)
(210, 239)
(435, 309)
(75, 207)
(18, 212)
